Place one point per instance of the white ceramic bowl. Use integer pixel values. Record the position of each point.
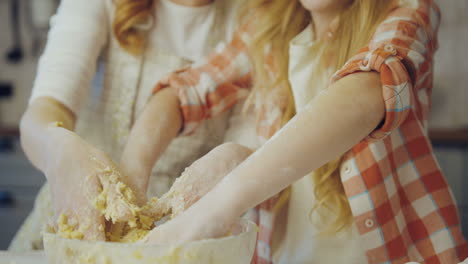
(235, 249)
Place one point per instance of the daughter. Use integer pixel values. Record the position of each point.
(354, 162)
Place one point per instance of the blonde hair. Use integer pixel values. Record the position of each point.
(128, 15)
(275, 24)
(132, 17)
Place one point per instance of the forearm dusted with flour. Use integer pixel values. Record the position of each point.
(154, 129)
(41, 115)
(79, 31)
(329, 126)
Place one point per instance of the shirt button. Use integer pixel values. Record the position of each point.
(391, 49)
(369, 223)
(364, 65)
(347, 169)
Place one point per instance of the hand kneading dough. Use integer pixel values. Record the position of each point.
(198, 179)
(236, 248)
(116, 201)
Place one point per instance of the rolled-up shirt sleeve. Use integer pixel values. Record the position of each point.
(78, 32)
(214, 86)
(401, 49)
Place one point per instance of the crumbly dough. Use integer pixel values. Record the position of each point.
(116, 201)
(68, 229)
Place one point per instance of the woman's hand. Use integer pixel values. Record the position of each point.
(78, 173)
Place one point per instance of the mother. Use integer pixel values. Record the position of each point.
(138, 42)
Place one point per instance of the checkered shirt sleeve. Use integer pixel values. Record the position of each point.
(214, 86)
(402, 205)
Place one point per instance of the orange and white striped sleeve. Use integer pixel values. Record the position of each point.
(213, 87)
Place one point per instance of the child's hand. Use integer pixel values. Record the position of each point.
(200, 178)
(196, 223)
(149, 137)
(137, 177)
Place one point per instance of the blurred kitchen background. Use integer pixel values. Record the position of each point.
(23, 32)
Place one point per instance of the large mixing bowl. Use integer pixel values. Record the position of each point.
(235, 249)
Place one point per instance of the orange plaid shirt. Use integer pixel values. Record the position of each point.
(402, 205)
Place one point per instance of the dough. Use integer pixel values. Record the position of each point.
(235, 249)
(195, 181)
(116, 201)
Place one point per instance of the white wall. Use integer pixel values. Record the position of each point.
(450, 95)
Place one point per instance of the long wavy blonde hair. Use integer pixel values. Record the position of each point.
(275, 24)
(128, 15)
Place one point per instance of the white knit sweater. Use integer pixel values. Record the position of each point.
(178, 35)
